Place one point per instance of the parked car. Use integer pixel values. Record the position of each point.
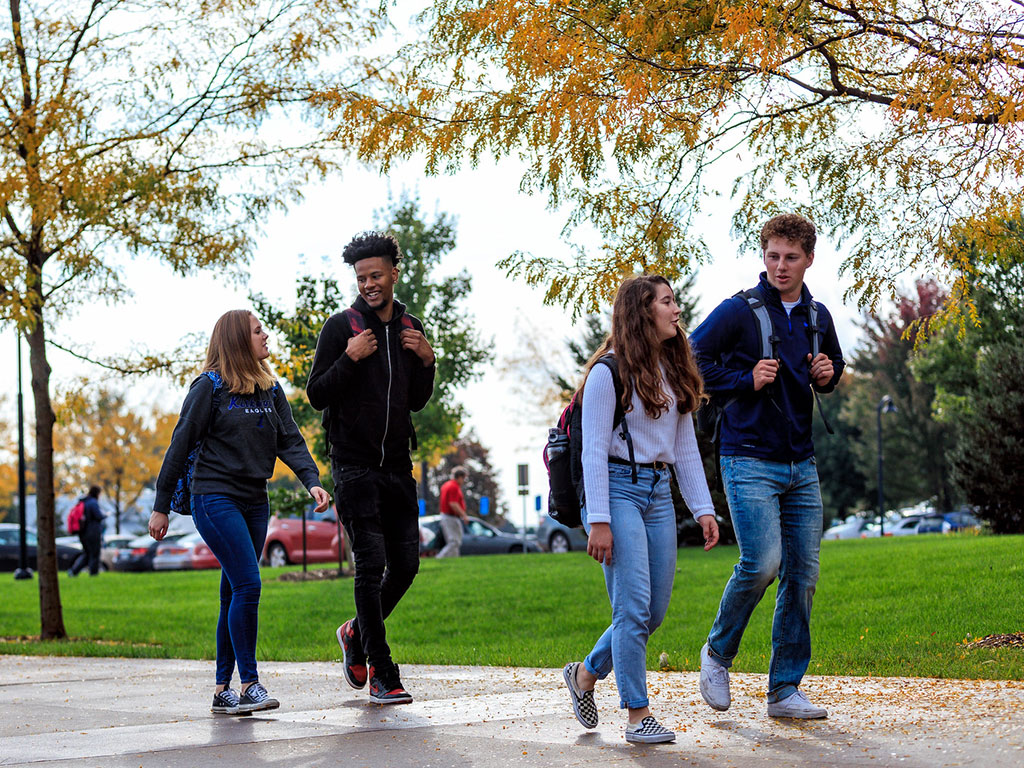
(284, 539)
(905, 527)
(848, 530)
(112, 544)
(139, 554)
(962, 520)
(187, 553)
(555, 537)
(478, 538)
(10, 549)
(933, 524)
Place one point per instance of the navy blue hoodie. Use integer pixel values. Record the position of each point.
(773, 423)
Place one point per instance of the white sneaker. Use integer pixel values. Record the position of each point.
(714, 681)
(796, 705)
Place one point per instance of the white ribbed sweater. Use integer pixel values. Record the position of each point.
(669, 438)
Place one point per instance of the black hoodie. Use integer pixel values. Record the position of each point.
(366, 404)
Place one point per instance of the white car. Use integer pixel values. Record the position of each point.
(905, 527)
(849, 530)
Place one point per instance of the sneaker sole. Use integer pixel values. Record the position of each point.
(224, 710)
(348, 678)
(572, 698)
(633, 738)
(248, 709)
(793, 716)
(402, 700)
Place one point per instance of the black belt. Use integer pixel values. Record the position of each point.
(627, 463)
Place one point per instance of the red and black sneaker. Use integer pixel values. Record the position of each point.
(387, 689)
(351, 657)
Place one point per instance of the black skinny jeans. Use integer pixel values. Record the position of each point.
(381, 517)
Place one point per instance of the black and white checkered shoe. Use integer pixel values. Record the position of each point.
(582, 701)
(256, 699)
(648, 731)
(225, 702)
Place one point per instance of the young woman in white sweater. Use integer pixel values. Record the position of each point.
(629, 515)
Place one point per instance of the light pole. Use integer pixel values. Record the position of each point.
(23, 571)
(885, 405)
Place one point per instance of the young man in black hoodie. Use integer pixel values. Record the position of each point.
(373, 366)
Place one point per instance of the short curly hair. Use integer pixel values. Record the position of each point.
(792, 227)
(369, 245)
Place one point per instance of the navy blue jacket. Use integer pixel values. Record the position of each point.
(775, 422)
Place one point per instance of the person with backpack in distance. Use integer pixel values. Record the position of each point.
(372, 368)
(764, 355)
(638, 393)
(86, 519)
(234, 425)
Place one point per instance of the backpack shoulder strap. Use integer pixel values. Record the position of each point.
(613, 366)
(355, 320)
(620, 412)
(407, 322)
(765, 329)
(812, 328)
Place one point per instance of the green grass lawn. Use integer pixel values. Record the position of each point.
(883, 607)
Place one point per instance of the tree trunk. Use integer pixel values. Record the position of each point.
(51, 614)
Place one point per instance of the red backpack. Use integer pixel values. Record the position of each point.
(75, 516)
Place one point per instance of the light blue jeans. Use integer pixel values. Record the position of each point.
(777, 515)
(639, 580)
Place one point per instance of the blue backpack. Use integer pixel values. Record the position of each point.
(181, 499)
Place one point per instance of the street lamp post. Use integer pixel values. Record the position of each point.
(885, 405)
(23, 571)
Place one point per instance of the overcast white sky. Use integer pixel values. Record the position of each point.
(494, 219)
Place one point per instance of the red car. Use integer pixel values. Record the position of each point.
(284, 539)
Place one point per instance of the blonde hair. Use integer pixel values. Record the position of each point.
(639, 352)
(230, 354)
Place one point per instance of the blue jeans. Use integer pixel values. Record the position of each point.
(777, 515)
(235, 532)
(639, 580)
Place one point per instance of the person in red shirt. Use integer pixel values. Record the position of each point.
(453, 513)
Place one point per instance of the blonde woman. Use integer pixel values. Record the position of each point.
(627, 508)
(235, 422)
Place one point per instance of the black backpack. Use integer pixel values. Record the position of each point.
(709, 415)
(563, 453)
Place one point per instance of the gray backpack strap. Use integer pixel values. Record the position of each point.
(812, 322)
(764, 322)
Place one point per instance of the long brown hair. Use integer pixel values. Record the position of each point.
(230, 354)
(640, 352)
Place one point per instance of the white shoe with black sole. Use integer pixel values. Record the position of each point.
(649, 731)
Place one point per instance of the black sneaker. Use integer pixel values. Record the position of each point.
(256, 699)
(352, 663)
(387, 689)
(225, 702)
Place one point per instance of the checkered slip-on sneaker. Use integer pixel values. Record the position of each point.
(648, 731)
(583, 705)
(353, 665)
(256, 699)
(225, 702)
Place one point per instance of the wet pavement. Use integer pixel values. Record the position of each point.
(139, 712)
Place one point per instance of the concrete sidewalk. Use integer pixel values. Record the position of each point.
(134, 712)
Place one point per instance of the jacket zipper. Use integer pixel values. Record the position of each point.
(387, 403)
